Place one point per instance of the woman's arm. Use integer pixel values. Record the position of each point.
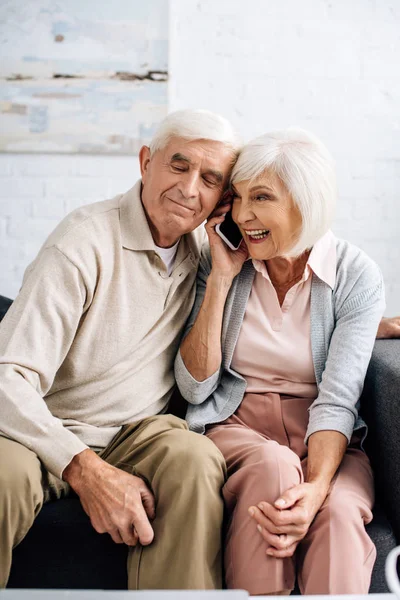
(201, 349)
(325, 453)
(350, 348)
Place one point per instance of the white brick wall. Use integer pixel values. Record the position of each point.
(329, 66)
(36, 192)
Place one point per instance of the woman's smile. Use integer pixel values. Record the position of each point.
(255, 236)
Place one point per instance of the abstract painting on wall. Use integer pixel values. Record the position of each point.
(82, 76)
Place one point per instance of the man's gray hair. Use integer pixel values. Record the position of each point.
(196, 125)
(305, 167)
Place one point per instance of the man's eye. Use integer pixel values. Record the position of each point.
(180, 169)
(210, 181)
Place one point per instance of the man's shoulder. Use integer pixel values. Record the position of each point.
(86, 224)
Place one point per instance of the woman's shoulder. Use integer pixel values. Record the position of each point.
(356, 272)
(352, 261)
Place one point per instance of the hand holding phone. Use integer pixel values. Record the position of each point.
(229, 232)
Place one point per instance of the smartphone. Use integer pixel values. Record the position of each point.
(229, 232)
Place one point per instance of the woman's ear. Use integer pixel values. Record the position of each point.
(144, 161)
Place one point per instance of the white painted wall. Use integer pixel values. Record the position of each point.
(331, 66)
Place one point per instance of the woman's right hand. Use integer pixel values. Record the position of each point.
(226, 263)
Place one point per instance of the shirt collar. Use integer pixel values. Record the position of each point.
(322, 261)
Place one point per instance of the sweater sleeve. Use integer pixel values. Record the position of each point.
(35, 336)
(195, 392)
(349, 353)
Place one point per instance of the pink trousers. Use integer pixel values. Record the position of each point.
(263, 445)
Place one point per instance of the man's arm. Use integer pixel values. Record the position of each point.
(35, 337)
(389, 327)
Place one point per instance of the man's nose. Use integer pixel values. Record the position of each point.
(189, 186)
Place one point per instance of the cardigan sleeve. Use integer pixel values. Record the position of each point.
(350, 349)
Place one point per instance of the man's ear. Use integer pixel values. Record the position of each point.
(144, 161)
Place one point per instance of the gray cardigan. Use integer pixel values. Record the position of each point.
(344, 323)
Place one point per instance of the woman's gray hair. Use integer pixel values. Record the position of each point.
(305, 167)
(196, 125)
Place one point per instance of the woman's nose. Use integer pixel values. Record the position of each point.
(241, 213)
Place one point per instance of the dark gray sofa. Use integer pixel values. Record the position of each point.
(62, 550)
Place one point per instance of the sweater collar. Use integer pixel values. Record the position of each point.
(135, 230)
(136, 234)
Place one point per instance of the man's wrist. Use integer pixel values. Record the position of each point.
(74, 471)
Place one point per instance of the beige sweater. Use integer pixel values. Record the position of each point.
(90, 341)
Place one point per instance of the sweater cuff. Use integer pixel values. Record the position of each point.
(58, 448)
(323, 418)
(195, 392)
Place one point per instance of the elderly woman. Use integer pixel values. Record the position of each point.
(273, 365)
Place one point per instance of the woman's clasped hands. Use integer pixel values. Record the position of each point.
(285, 523)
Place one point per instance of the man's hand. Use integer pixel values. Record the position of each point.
(117, 503)
(284, 524)
(389, 328)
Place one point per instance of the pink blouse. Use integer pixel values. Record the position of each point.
(273, 351)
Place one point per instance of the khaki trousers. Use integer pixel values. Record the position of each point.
(185, 472)
(263, 445)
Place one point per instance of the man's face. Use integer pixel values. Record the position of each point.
(182, 184)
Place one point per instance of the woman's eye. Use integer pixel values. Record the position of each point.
(261, 197)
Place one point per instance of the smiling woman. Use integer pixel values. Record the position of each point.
(269, 368)
(293, 173)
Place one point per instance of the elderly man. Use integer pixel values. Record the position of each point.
(86, 367)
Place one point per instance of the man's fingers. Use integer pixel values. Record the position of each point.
(116, 536)
(129, 535)
(148, 502)
(143, 527)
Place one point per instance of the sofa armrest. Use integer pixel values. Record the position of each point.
(380, 407)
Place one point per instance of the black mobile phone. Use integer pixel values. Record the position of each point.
(229, 232)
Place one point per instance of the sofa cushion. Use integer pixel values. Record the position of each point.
(62, 550)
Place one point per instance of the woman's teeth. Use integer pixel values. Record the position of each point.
(258, 234)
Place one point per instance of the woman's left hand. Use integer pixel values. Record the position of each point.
(285, 523)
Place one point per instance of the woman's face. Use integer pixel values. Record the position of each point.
(265, 212)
